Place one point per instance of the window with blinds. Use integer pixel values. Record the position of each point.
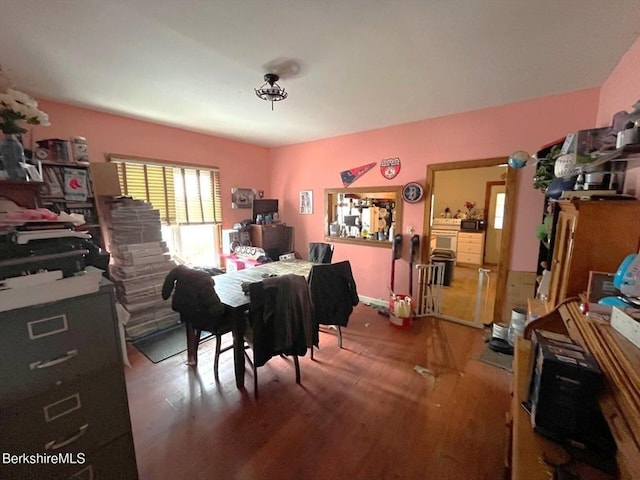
(184, 195)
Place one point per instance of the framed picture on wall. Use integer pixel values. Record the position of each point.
(306, 202)
(242, 197)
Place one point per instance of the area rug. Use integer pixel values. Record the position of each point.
(496, 359)
(165, 344)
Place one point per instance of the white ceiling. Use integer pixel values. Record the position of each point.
(363, 64)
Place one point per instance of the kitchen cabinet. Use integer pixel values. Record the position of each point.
(63, 389)
(273, 239)
(470, 248)
(590, 235)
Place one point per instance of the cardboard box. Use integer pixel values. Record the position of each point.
(104, 179)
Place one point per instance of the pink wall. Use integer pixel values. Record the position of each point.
(491, 132)
(622, 89)
(619, 93)
(241, 165)
(487, 133)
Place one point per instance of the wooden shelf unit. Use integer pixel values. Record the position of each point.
(590, 235)
(619, 401)
(23, 194)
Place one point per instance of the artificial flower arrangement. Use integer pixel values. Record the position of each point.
(17, 108)
(469, 205)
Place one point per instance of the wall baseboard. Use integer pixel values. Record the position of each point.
(376, 302)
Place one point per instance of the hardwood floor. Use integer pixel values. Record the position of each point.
(459, 299)
(362, 412)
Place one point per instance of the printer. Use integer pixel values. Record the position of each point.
(46, 246)
(565, 382)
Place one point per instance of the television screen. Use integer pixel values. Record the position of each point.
(264, 206)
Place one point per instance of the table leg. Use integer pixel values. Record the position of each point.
(238, 348)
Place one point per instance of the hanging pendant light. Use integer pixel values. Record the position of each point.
(270, 90)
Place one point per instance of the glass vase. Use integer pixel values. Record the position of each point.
(11, 155)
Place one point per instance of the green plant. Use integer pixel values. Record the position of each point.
(544, 169)
(543, 231)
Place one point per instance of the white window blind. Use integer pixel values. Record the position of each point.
(185, 195)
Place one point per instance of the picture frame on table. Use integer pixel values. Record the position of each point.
(242, 197)
(306, 202)
(34, 174)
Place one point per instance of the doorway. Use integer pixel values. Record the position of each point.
(476, 293)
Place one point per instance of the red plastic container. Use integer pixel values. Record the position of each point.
(404, 321)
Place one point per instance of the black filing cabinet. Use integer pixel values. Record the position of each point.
(63, 392)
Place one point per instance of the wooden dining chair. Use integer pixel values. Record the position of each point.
(280, 322)
(200, 309)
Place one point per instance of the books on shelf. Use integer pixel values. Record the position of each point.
(53, 182)
(65, 182)
(75, 184)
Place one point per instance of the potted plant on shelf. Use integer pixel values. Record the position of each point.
(544, 169)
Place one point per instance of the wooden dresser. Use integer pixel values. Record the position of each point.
(274, 239)
(620, 400)
(63, 390)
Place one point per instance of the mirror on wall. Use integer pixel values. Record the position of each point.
(367, 215)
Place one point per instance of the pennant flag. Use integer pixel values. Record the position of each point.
(351, 175)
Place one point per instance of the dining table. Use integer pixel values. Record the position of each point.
(228, 286)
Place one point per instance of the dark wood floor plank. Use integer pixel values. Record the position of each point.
(362, 412)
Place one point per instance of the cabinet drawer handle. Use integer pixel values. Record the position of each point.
(54, 445)
(56, 361)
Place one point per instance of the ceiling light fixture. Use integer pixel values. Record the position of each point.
(270, 90)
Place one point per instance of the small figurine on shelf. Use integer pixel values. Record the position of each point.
(79, 149)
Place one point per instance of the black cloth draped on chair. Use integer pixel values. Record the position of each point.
(320, 252)
(280, 321)
(280, 317)
(195, 297)
(199, 306)
(333, 293)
